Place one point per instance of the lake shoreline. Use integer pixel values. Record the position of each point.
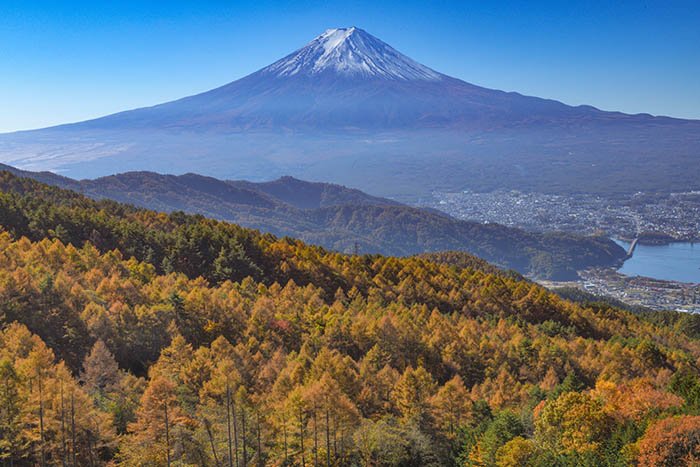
(675, 262)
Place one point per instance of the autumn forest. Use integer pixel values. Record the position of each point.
(136, 338)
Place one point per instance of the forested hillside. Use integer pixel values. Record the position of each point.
(344, 219)
(137, 338)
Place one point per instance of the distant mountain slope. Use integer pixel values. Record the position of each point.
(348, 108)
(400, 230)
(189, 192)
(310, 195)
(49, 178)
(343, 219)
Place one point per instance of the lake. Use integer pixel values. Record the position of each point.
(674, 262)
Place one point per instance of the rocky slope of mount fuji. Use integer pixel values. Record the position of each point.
(348, 108)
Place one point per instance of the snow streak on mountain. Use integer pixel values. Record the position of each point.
(351, 52)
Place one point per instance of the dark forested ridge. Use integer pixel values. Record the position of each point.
(310, 195)
(344, 219)
(136, 338)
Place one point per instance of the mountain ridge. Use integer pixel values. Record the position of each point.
(344, 219)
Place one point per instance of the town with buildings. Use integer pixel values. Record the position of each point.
(646, 292)
(653, 218)
(669, 217)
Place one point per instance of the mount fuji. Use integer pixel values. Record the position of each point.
(351, 52)
(348, 108)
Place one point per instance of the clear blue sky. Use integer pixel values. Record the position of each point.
(64, 61)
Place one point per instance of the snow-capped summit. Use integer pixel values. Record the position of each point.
(351, 52)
